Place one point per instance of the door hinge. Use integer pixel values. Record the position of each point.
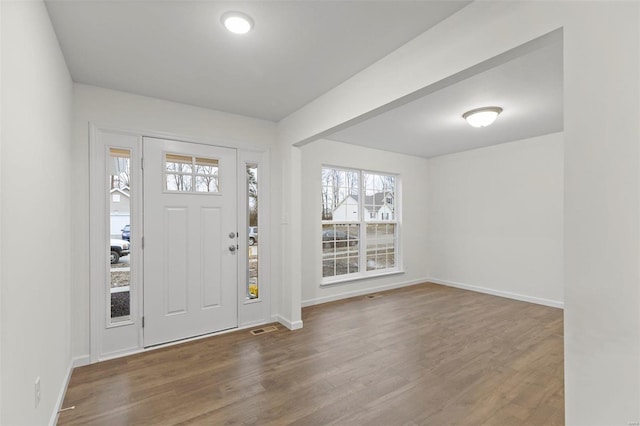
(142, 243)
(142, 163)
(143, 322)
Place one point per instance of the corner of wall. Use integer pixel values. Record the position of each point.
(290, 324)
(36, 120)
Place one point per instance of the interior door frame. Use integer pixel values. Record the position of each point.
(130, 334)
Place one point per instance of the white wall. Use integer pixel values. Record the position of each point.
(36, 201)
(121, 110)
(602, 198)
(413, 175)
(602, 185)
(495, 219)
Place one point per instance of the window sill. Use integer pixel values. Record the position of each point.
(358, 277)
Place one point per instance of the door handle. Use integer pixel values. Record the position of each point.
(232, 248)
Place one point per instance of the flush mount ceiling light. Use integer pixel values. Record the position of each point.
(482, 117)
(237, 22)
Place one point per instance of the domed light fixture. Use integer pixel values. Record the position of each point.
(482, 117)
(237, 22)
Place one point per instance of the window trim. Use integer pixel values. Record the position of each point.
(363, 222)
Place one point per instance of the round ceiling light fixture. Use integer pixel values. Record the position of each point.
(482, 117)
(237, 22)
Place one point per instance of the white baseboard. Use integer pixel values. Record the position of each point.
(291, 325)
(75, 362)
(500, 293)
(362, 292)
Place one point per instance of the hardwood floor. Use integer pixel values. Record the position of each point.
(421, 355)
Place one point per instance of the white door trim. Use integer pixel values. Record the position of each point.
(127, 332)
(249, 315)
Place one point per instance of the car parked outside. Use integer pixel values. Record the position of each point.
(126, 233)
(119, 248)
(253, 235)
(331, 239)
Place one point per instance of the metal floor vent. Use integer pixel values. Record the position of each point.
(264, 330)
(373, 296)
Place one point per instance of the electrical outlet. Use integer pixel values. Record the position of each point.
(37, 391)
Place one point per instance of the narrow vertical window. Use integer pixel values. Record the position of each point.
(340, 222)
(119, 193)
(252, 220)
(380, 202)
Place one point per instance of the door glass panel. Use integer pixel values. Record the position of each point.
(206, 165)
(191, 174)
(206, 174)
(178, 163)
(252, 261)
(119, 282)
(180, 183)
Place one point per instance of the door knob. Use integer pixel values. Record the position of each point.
(232, 248)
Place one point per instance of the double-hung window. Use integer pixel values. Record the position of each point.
(360, 231)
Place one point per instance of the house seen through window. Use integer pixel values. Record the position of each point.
(359, 223)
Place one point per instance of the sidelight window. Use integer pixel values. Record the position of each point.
(119, 212)
(252, 232)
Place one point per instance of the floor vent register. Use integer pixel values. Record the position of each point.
(264, 330)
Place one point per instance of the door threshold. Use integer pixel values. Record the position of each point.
(177, 342)
(191, 339)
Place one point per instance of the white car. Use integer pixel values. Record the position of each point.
(119, 248)
(253, 235)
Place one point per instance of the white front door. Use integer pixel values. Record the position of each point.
(190, 243)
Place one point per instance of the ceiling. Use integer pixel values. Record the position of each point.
(529, 87)
(179, 51)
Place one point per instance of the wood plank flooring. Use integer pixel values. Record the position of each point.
(420, 355)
